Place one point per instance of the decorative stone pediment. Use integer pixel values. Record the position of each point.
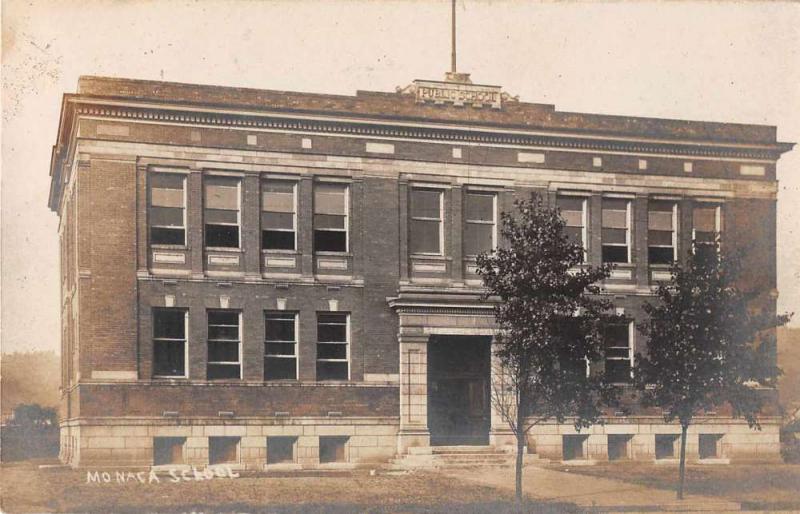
(459, 92)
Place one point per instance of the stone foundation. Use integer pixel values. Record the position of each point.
(124, 444)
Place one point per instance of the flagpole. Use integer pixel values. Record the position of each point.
(453, 38)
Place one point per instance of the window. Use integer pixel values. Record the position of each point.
(426, 234)
(330, 217)
(223, 450)
(480, 231)
(167, 212)
(662, 219)
(332, 351)
(168, 450)
(708, 445)
(280, 346)
(222, 199)
(573, 447)
(665, 446)
(280, 449)
(278, 221)
(573, 210)
(224, 357)
(619, 446)
(616, 230)
(619, 353)
(332, 449)
(705, 225)
(169, 342)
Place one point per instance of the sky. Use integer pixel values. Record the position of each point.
(715, 61)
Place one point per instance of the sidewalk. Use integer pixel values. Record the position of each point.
(594, 494)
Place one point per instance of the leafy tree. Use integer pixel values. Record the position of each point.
(550, 324)
(706, 346)
(33, 415)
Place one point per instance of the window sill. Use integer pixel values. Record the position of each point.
(222, 249)
(430, 256)
(168, 247)
(279, 252)
(334, 254)
(162, 378)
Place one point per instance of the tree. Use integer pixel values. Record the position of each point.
(550, 324)
(707, 345)
(33, 415)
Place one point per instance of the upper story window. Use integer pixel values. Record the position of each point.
(426, 234)
(280, 346)
(222, 202)
(169, 342)
(224, 344)
(332, 346)
(330, 217)
(278, 215)
(619, 353)
(480, 222)
(573, 210)
(705, 223)
(167, 209)
(616, 234)
(662, 235)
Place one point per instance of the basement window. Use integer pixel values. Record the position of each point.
(332, 346)
(223, 450)
(281, 450)
(224, 344)
(708, 445)
(169, 342)
(574, 447)
(619, 446)
(168, 450)
(665, 446)
(222, 211)
(332, 449)
(278, 215)
(330, 217)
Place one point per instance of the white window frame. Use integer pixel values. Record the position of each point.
(674, 229)
(584, 219)
(239, 182)
(150, 205)
(294, 213)
(717, 216)
(240, 341)
(631, 353)
(346, 342)
(628, 204)
(185, 341)
(346, 230)
(493, 223)
(296, 342)
(440, 219)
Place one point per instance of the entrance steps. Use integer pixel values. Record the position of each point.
(449, 457)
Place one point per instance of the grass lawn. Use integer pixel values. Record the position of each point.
(25, 488)
(762, 486)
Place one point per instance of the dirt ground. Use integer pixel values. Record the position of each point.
(763, 486)
(26, 488)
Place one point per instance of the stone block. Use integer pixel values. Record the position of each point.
(214, 431)
(375, 430)
(235, 430)
(138, 442)
(106, 442)
(197, 442)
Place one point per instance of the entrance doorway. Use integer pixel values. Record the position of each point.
(459, 390)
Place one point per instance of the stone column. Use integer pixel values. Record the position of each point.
(500, 433)
(413, 393)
